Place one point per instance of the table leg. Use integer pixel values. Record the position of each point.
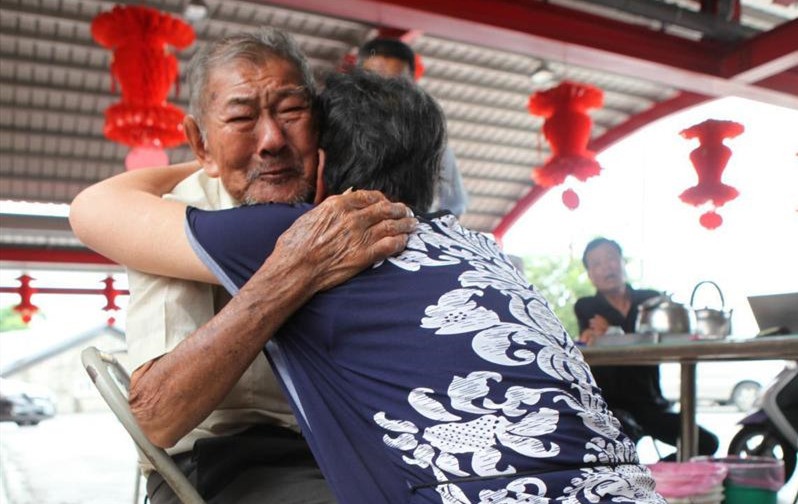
(688, 438)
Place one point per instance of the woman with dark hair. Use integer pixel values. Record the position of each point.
(438, 375)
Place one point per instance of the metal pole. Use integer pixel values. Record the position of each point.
(137, 484)
(688, 438)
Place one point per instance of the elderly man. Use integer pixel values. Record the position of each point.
(201, 383)
(394, 59)
(437, 375)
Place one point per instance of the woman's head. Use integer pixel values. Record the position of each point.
(382, 134)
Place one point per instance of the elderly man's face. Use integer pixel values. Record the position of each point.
(261, 138)
(605, 268)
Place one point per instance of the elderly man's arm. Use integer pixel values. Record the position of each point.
(125, 219)
(172, 394)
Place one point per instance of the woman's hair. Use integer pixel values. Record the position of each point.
(382, 134)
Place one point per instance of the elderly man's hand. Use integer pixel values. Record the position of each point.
(344, 235)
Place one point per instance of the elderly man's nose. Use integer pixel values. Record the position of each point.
(272, 137)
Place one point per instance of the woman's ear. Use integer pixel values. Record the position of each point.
(197, 144)
(321, 189)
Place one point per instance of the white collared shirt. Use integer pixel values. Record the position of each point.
(164, 311)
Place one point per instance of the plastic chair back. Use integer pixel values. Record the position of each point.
(113, 382)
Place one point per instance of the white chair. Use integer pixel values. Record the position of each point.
(113, 382)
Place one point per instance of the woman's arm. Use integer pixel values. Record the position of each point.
(125, 219)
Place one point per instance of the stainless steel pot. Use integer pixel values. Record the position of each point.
(710, 322)
(662, 315)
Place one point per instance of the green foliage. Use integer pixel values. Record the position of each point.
(561, 280)
(10, 320)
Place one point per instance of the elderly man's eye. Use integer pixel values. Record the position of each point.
(294, 110)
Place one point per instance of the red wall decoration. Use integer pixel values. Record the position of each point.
(566, 127)
(27, 309)
(145, 71)
(709, 160)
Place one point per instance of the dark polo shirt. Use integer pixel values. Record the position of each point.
(624, 387)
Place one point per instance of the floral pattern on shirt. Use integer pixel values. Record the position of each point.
(468, 435)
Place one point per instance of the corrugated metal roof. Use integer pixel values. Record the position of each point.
(55, 84)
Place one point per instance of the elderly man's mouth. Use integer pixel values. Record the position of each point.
(274, 176)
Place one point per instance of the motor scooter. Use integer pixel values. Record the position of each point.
(772, 430)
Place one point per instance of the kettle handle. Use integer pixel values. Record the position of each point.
(699, 284)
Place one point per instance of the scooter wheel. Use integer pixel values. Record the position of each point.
(760, 441)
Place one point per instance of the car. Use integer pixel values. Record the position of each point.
(737, 383)
(25, 403)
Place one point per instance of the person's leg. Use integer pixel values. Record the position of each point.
(290, 485)
(665, 426)
(266, 465)
(159, 492)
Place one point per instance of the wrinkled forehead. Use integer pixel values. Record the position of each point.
(264, 75)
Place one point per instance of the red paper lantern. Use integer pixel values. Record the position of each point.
(110, 294)
(26, 308)
(570, 199)
(145, 71)
(567, 130)
(709, 160)
(420, 68)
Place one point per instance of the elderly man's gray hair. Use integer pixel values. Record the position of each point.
(254, 47)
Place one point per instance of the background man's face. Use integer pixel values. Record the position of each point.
(387, 66)
(605, 268)
(261, 138)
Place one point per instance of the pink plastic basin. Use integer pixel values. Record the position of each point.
(687, 479)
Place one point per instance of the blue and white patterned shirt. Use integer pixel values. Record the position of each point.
(437, 376)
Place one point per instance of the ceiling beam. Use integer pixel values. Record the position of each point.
(71, 255)
(763, 56)
(635, 122)
(514, 25)
(785, 81)
(38, 222)
(709, 25)
(559, 34)
(520, 208)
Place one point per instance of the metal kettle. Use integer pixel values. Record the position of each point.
(662, 315)
(710, 322)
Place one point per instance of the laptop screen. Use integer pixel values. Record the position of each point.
(776, 311)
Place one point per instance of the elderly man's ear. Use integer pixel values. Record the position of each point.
(321, 188)
(198, 147)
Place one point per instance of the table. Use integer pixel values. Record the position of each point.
(687, 354)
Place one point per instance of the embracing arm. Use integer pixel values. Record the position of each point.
(328, 245)
(125, 219)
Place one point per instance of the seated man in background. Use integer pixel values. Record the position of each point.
(438, 375)
(393, 58)
(632, 392)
